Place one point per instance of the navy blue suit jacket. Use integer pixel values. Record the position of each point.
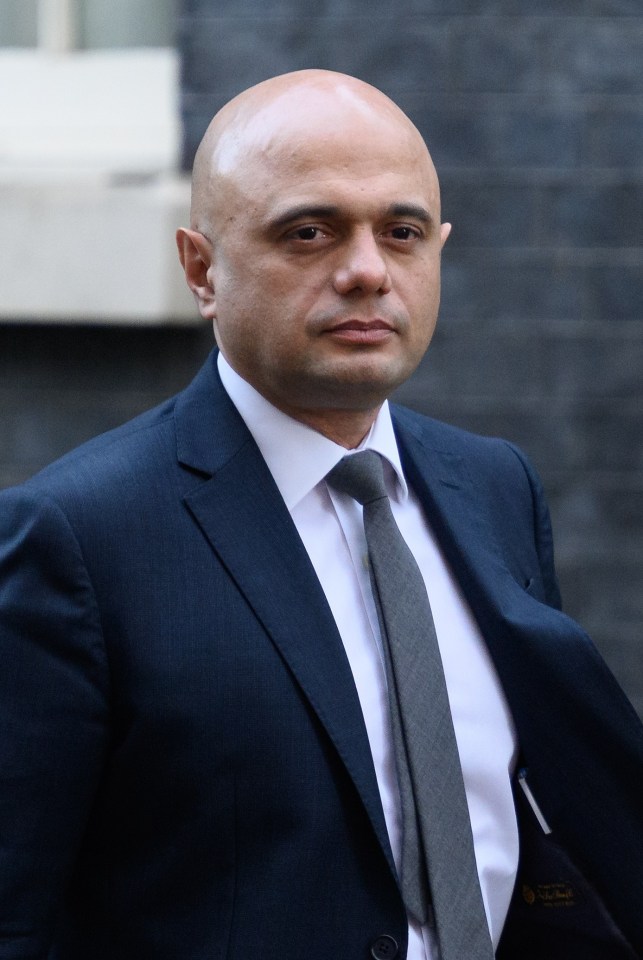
(184, 768)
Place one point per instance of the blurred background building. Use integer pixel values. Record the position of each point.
(534, 116)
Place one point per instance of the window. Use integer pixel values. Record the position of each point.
(89, 145)
(86, 24)
(18, 23)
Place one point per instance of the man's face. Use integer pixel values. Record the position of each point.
(325, 263)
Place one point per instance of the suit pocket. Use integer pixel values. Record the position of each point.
(555, 912)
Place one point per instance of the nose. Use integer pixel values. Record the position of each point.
(362, 266)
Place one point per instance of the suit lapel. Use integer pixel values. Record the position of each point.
(441, 480)
(467, 535)
(517, 629)
(241, 512)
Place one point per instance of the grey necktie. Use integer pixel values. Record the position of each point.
(437, 843)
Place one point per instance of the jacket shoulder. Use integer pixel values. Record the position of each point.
(110, 458)
(455, 441)
(503, 483)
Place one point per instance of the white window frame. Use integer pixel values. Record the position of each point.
(56, 26)
(89, 182)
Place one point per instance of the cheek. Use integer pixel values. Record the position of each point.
(421, 293)
(422, 302)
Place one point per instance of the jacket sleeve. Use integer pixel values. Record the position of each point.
(53, 715)
(543, 536)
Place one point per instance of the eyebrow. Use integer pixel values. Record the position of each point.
(304, 211)
(411, 210)
(322, 211)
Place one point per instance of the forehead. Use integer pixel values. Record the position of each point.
(261, 119)
(349, 156)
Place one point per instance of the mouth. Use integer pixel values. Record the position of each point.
(361, 332)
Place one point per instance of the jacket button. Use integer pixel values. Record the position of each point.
(384, 948)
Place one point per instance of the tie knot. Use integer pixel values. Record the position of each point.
(360, 475)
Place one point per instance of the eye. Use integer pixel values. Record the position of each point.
(404, 233)
(306, 233)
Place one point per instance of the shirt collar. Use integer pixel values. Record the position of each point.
(297, 456)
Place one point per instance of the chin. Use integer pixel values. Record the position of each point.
(378, 379)
(354, 393)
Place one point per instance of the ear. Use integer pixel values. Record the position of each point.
(195, 254)
(445, 230)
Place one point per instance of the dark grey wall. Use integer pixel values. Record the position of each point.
(61, 385)
(536, 126)
(535, 123)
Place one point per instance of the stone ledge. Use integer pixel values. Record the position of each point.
(94, 249)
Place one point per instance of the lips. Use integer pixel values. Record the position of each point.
(361, 332)
(355, 324)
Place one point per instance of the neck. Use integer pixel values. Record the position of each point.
(345, 427)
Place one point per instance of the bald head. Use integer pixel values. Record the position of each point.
(314, 246)
(279, 118)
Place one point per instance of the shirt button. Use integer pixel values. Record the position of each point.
(384, 948)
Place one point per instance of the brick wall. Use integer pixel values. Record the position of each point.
(61, 385)
(535, 123)
(536, 126)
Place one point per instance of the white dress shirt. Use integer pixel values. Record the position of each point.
(331, 528)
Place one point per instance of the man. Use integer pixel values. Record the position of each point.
(199, 754)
